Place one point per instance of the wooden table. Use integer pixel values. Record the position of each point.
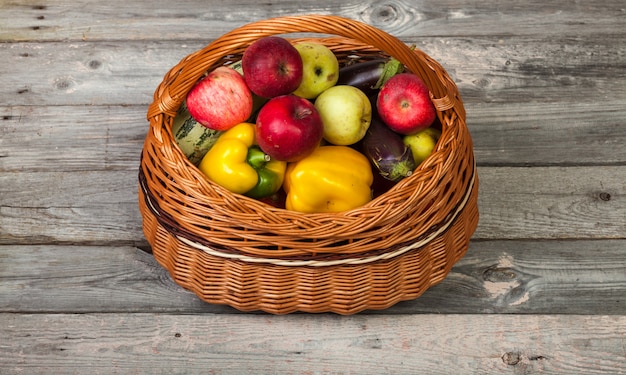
(542, 288)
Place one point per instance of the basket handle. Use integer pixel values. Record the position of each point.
(172, 91)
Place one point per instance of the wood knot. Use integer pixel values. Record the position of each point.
(511, 358)
(517, 358)
(499, 274)
(94, 64)
(385, 14)
(64, 84)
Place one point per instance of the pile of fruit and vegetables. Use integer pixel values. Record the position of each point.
(287, 125)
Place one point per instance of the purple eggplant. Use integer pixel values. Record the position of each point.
(387, 152)
(368, 76)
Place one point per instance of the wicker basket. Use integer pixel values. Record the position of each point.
(233, 250)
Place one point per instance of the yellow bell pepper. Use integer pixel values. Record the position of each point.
(331, 179)
(237, 164)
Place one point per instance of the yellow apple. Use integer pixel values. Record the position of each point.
(346, 114)
(320, 69)
(422, 143)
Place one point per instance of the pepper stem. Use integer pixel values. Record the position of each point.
(257, 158)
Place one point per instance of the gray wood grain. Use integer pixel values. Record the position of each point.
(50, 207)
(260, 344)
(507, 277)
(201, 20)
(71, 138)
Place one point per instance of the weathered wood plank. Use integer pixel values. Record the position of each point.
(508, 70)
(52, 207)
(559, 203)
(84, 279)
(75, 138)
(71, 138)
(538, 277)
(515, 203)
(236, 344)
(200, 20)
(547, 134)
(45, 74)
(532, 277)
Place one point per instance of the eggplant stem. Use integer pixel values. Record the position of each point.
(390, 69)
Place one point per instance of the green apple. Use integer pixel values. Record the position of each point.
(422, 143)
(346, 114)
(320, 69)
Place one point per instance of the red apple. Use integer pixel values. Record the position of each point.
(272, 67)
(220, 100)
(289, 128)
(404, 104)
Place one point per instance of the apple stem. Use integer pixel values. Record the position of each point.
(303, 113)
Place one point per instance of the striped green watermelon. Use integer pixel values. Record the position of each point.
(193, 138)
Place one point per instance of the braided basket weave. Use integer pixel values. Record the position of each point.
(233, 250)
